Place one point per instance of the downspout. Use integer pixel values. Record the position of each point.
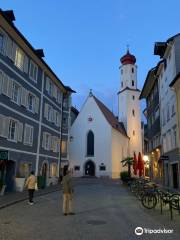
(60, 158)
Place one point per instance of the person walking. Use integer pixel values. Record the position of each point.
(67, 194)
(31, 184)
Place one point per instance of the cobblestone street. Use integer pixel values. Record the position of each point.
(105, 210)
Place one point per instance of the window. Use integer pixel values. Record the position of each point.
(64, 147)
(133, 133)
(122, 84)
(59, 96)
(102, 168)
(57, 119)
(47, 141)
(1, 42)
(90, 144)
(132, 83)
(28, 135)
(121, 71)
(133, 97)
(132, 70)
(24, 170)
(33, 71)
(168, 113)
(16, 93)
(173, 110)
(19, 59)
(12, 130)
(157, 113)
(53, 168)
(77, 168)
(133, 113)
(50, 88)
(174, 138)
(49, 117)
(31, 102)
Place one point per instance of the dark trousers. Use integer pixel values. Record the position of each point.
(31, 194)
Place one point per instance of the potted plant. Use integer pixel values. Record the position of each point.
(126, 175)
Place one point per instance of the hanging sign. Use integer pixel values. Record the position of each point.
(3, 155)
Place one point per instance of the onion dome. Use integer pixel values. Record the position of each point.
(128, 59)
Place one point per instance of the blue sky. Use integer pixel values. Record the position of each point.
(84, 40)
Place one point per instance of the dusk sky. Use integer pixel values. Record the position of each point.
(84, 40)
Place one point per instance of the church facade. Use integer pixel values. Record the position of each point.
(99, 141)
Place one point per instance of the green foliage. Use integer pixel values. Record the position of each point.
(127, 161)
(124, 176)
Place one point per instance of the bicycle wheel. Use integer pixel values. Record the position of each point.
(149, 201)
(175, 201)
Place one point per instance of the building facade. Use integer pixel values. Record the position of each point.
(34, 109)
(98, 141)
(164, 121)
(150, 92)
(169, 52)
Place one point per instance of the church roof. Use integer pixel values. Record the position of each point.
(113, 121)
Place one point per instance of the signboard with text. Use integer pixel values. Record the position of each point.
(3, 155)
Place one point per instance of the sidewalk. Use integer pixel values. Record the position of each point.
(12, 198)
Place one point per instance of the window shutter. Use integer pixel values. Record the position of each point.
(24, 97)
(19, 131)
(4, 43)
(26, 61)
(43, 140)
(1, 81)
(46, 111)
(32, 135)
(52, 143)
(36, 105)
(5, 125)
(47, 84)
(1, 124)
(5, 84)
(14, 48)
(10, 87)
(9, 47)
(55, 92)
(27, 133)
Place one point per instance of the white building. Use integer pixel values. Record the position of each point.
(99, 140)
(168, 68)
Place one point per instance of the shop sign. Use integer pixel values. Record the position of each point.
(3, 155)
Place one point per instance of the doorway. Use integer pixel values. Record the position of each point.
(175, 175)
(10, 174)
(90, 168)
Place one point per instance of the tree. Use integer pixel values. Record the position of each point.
(128, 162)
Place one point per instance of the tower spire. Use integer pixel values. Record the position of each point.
(127, 46)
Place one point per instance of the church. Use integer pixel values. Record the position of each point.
(98, 139)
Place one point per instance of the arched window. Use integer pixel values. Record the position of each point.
(133, 112)
(90, 143)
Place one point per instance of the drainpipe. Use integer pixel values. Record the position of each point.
(60, 158)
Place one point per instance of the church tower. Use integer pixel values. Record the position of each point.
(128, 102)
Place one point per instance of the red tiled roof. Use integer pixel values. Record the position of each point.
(113, 121)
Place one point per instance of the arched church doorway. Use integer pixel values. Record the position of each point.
(89, 168)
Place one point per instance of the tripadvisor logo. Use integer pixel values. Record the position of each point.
(139, 231)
